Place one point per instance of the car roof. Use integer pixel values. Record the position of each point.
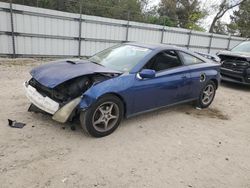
(153, 46)
(159, 47)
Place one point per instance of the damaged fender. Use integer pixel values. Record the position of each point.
(117, 86)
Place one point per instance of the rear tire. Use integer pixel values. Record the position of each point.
(103, 117)
(207, 95)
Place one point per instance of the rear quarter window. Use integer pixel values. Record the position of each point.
(190, 59)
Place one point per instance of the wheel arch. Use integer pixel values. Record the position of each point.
(118, 96)
(215, 82)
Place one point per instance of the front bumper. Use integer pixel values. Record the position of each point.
(50, 106)
(43, 102)
(234, 76)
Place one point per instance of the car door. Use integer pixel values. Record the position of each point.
(198, 72)
(171, 83)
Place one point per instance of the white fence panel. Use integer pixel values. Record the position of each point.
(101, 31)
(6, 44)
(198, 49)
(5, 21)
(200, 39)
(144, 32)
(142, 35)
(51, 47)
(220, 41)
(35, 24)
(175, 38)
(235, 41)
(91, 47)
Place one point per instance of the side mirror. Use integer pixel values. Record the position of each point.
(146, 73)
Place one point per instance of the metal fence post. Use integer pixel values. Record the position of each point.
(189, 39)
(229, 41)
(210, 43)
(12, 31)
(80, 31)
(127, 26)
(163, 31)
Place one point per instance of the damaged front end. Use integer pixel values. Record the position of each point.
(62, 100)
(235, 68)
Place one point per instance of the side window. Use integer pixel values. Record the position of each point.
(189, 59)
(164, 60)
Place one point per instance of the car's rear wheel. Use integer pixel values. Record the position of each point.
(206, 95)
(103, 117)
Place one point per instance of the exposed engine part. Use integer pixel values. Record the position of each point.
(70, 89)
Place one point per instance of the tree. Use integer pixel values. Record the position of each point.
(222, 9)
(241, 20)
(183, 13)
(119, 9)
(109, 8)
(221, 28)
(232, 28)
(167, 9)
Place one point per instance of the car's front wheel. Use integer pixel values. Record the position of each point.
(103, 117)
(206, 95)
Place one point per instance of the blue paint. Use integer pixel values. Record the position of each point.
(138, 95)
(55, 73)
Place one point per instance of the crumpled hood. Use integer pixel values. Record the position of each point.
(55, 73)
(235, 54)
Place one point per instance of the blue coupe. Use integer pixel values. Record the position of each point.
(119, 82)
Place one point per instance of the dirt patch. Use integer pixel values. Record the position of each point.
(208, 113)
(23, 61)
(19, 62)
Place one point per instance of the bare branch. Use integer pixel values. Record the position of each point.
(222, 10)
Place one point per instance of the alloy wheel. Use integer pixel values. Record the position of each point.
(105, 116)
(208, 94)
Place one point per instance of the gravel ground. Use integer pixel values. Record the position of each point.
(175, 147)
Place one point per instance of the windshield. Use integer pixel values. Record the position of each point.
(244, 47)
(122, 58)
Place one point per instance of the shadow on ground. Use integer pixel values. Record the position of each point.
(232, 85)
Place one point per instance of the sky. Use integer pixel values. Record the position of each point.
(207, 5)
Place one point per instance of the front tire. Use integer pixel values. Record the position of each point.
(103, 117)
(207, 95)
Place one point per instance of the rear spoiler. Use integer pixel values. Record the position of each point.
(214, 58)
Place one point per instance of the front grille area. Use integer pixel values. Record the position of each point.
(239, 66)
(51, 93)
(40, 88)
(235, 67)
